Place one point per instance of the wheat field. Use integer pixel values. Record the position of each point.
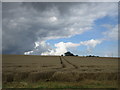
(28, 70)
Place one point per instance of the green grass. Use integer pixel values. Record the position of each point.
(81, 84)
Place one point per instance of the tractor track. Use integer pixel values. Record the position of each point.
(62, 60)
(70, 63)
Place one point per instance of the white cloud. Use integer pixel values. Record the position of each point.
(53, 19)
(112, 32)
(39, 47)
(91, 43)
(62, 47)
(28, 53)
(111, 54)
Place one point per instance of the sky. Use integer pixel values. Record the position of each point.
(53, 28)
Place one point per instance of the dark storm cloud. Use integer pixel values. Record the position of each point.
(64, 8)
(27, 23)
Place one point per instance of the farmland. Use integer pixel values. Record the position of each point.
(32, 71)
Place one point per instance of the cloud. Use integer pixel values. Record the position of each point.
(53, 19)
(111, 53)
(91, 44)
(39, 47)
(30, 22)
(62, 47)
(112, 32)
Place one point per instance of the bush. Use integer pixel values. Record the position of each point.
(21, 76)
(42, 75)
(8, 77)
(65, 76)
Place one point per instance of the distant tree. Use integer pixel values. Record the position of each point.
(89, 56)
(69, 54)
(76, 55)
(92, 56)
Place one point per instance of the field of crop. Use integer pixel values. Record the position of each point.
(31, 71)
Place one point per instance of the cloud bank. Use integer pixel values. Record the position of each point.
(25, 24)
(61, 47)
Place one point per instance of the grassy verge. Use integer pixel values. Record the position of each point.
(81, 84)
